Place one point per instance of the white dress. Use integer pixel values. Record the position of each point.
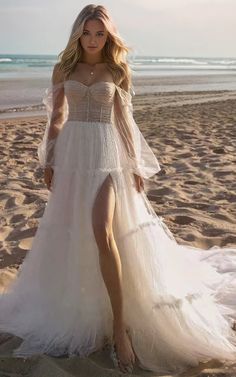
(179, 301)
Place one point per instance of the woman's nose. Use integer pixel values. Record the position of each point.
(92, 40)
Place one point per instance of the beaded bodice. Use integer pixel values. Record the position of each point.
(89, 103)
(100, 102)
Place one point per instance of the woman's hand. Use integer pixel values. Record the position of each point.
(139, 183)
(48, 175)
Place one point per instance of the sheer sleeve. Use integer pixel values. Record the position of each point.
(137, 155)
(56, 108)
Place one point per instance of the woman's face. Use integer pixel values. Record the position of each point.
(94, 36)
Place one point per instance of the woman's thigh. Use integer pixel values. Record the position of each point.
(104, 208)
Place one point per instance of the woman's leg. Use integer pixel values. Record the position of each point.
(102, 218)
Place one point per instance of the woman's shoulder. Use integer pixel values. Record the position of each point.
(127, 83)
(58, 75)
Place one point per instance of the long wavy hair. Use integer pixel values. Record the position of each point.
(114, 52)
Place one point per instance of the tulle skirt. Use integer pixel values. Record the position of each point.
(179, 301)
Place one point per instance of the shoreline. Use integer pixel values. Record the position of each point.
(25, 95)
(170, 98)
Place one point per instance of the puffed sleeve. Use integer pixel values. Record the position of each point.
(57, 111)
(137, 155)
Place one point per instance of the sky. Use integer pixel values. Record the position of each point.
(181, 28)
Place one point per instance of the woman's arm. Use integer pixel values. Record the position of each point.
(58, 99)
(124, 130)
(55, 103)
(138, 156)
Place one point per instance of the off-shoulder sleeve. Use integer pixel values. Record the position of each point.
(138, 155)
(57, 112)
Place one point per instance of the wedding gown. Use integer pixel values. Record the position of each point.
(179, 301)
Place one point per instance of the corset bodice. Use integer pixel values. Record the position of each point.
(89, 103)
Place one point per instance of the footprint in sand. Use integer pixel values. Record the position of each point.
(38, 213)
(162, 191)
(10, 203)
(14, 259)
(230, 239)
(185, 155)
(183, 220)
(222, 173)
(17, 218)
(191, 182)
(30, 198)
(18, 234)
(212, 232)
(218, 150)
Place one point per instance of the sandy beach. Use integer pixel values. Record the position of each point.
(193, 136)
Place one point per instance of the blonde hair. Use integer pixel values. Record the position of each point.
(114, 51)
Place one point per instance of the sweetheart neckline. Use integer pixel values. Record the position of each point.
(99, 82)
(89, 86)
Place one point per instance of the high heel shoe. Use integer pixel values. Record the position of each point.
(116, 361)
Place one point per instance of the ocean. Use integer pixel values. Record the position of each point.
(24, 78)
(26, 66)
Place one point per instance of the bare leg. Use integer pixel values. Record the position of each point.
(102, 217)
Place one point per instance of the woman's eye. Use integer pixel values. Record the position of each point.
(99, 34)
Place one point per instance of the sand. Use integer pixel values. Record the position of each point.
(193, 136)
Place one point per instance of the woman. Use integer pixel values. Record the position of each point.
(103, 267)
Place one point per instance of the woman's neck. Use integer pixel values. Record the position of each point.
(92, 60)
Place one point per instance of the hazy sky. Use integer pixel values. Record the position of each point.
(151, 27)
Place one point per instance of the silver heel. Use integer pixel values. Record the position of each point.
(116, 360)
(114, 356)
